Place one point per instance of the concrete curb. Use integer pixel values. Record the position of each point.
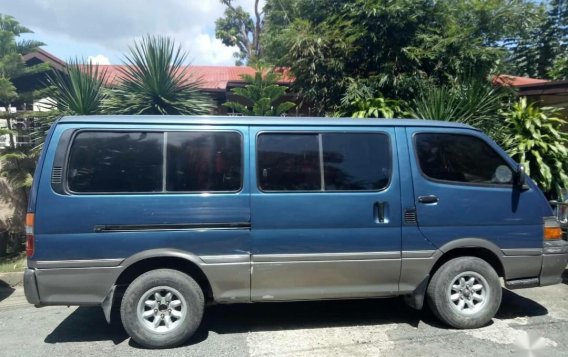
(12, 279)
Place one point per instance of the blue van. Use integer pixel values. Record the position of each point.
(162, 215)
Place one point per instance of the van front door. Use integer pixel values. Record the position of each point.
(464, 191)
(326, 213)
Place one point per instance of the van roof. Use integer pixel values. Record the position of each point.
(243, 120)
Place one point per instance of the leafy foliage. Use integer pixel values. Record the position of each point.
(559, 68)
(155, 80)
(362, 101)
(80, 89)
(237, 28)
(535, 139)
(261, 93)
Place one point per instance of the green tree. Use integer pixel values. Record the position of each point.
(261, 95)
(79, 90)
(542, 50)
(535, 139)
(12, 50)
(17, 162)
(237, 28)
(395, 44)
(155, 80)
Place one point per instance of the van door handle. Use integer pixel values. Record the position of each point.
(379, 212)
(428, 199)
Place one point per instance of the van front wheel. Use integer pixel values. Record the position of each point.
(465, 293)
(162, 308)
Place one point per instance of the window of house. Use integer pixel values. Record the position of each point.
(323, 162)
(460, 158)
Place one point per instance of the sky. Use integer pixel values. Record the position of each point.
(102, 30)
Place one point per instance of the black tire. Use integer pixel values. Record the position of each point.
(442, 290)
(146, 285)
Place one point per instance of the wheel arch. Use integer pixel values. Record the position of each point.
(474, 247)
(185, 262)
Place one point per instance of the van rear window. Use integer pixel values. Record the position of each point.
(115, 162)
(133, 162)
(323, 162)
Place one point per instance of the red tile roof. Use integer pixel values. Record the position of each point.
(212, 77)
(514, 81)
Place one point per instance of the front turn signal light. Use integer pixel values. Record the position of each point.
(552, 230)
(552, 233)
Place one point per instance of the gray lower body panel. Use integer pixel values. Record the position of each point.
(324, 276)
(75, 286)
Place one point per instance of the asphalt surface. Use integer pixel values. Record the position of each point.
(529, 321)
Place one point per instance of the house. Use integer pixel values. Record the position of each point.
(546, 93)
(216, 81)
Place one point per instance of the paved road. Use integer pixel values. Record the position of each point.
(536, 318)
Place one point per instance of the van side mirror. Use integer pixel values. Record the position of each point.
(520, 178)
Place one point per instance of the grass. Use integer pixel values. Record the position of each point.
(12, 263)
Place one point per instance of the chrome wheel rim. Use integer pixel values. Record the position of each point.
(162, 309)
(468, 293)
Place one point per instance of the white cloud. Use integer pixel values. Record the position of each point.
(207, 50)
(112, 25)
(98, 59)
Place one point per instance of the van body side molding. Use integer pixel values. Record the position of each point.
(260, 258)
(87, 263)
(170, 227)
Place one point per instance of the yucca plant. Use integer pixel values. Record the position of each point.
(534, 139)
(155, 80)
(471, 101)
(260, 94)
(79, 90)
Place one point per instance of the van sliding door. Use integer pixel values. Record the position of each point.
(325, 213)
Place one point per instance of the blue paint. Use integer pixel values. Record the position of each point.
(283, 223)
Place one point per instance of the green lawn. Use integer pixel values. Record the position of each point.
(13, 263)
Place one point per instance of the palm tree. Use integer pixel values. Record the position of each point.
(155, 80)
(79, 90)
(261, 92)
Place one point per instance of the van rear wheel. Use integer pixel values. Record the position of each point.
(465, 293)
(162, 308)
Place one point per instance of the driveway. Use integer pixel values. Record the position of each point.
(530, 319)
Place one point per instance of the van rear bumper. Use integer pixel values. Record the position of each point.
(30, 287)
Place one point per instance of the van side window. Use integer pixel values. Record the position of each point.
(115, 162)
(356, 162)
(203, 161)
(289, 162)
(460, 158)
(323, 162)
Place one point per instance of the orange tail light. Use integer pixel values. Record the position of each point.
(30, 240)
